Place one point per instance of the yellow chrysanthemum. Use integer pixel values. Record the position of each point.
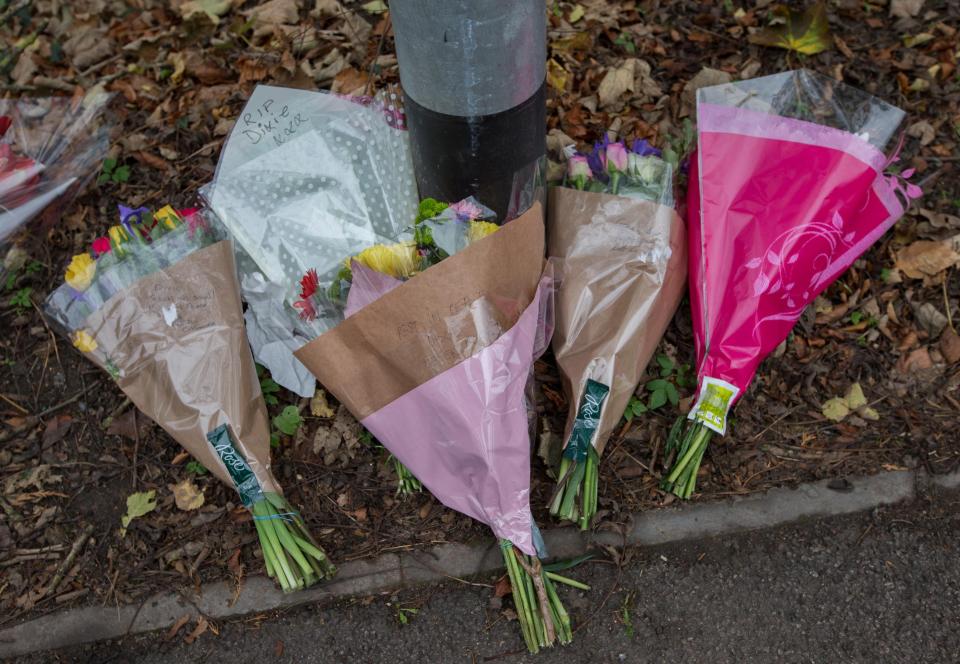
(84, 342)
(80, 272)
(480, 229)
(398, 260)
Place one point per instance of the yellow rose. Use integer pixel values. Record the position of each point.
(84, 342)
(80, 272)
(479, 230)
(397, 260)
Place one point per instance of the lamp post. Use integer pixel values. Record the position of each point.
(473, 78)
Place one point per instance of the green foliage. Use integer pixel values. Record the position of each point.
(625, 615)
(288, 421)
(678, 146)
(625, 41)
(404, 614)
(30, 268)
(268, 386)
(429, 208)
(196, 468)
(664, 389)
(21, 299)
(112, 172)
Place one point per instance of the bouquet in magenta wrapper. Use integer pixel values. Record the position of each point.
(787, 189)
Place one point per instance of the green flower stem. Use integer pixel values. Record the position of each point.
(543, 618)
(290, 554)
(564, 631)
(519, 598)
(578, 480)
(407, 483)
(567, 581)
(682, 478)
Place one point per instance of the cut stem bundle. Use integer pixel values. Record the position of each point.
(543, 619)
(407, 483)
(689, 440)
(578, 479)
(290, 554)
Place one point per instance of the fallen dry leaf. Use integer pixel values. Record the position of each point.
(616, 82)
(556, 75)
(187, 496)
(56, 429)
(922, 130)
(950, 346)
(177, 626)
(916, 360)
(835, 409)
(319, 406)
(926, 258)
(202, 626)
(212, 9)
(905, 8)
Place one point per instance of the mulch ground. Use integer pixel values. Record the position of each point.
(72, 449)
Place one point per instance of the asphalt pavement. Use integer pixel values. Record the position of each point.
(875, 587)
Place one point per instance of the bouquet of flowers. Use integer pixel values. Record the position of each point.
(305, 179)
(438, 231)
(622, 251)
(49, 147)
(787, 190)
(156, 304)
(436, 368)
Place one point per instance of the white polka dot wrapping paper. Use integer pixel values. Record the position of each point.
(306, 179)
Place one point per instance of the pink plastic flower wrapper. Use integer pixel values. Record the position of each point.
(435, 367)
(787, 189)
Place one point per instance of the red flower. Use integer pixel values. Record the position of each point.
(309, 284)
(101, 246)
(307, 310)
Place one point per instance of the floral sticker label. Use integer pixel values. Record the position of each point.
(713, 404)
(588, 419)
(243, 478)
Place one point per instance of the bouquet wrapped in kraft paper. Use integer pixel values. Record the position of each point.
(156, 304)
(621, 249)
(436, 369)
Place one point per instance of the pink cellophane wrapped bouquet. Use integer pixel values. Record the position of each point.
(787, 190)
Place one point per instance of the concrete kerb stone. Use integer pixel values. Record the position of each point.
(457, 561)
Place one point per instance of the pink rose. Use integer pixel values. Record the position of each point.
(616, 158)
(578, 167)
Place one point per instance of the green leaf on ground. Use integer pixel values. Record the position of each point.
(138, 504)
(288, 421)
(805, 32)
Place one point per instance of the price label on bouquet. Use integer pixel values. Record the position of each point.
(713, 404)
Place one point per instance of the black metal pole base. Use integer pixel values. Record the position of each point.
(455, 157)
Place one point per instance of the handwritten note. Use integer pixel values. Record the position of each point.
(270, 120)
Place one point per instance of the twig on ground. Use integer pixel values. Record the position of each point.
(68, 561)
